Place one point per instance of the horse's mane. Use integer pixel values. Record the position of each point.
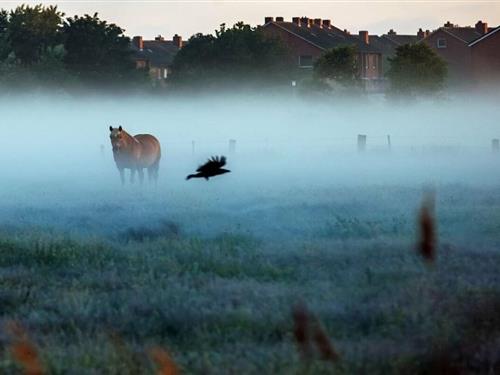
(130, 137)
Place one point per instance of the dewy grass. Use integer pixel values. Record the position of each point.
(220, 301)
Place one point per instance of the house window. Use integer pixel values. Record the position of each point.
(441, 43)
(306, 61)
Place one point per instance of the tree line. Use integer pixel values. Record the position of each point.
(40, 46)
(244, 54)
(414, 70)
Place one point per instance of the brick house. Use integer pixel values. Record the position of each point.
(452, 43)
(387, 43)
(485, 59)
(307, 39)
(156, 56)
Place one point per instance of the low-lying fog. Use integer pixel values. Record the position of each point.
(289, 152)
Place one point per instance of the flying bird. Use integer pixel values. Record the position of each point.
(213, 167)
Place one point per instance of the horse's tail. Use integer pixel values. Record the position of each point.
(154, 168)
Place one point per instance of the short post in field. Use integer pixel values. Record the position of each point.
(361, 142)
(389, 145)
(495, 145)
(192, 147)
(232, 146)
(102, 151)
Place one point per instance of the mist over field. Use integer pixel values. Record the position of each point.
(288, 151)
(210, 270)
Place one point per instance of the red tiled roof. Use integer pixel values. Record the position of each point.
(401, 39)
(159, 53)
(492, 30)
(465, 34)
(324, 38)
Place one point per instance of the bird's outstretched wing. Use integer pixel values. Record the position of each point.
(215, 162)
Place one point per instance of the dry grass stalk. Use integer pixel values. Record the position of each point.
(125, 355)
(166, 365)
(301, 330)
(324, 345)
(23, 350)
(427, 226)
(304, 322)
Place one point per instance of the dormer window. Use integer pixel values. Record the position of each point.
(441, 43)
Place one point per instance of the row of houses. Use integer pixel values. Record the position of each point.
(472, 52)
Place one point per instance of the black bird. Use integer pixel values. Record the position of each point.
(213, 167)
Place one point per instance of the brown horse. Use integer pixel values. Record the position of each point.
(135, 153)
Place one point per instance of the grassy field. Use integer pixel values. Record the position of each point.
(96, 278)
(97, 287)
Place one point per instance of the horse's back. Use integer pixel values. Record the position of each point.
(150, 149)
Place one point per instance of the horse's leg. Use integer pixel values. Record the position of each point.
(156, 174)
(154, 170)
(150, 174)
(132, 175)
(141, 175)
(122, 176)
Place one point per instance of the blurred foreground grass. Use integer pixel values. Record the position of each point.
(223, 305)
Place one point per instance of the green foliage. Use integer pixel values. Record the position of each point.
(97, 51)
(339, 64)
(38, 48)
(48, 72)
(32, 30)
(238, 54)
(5, 47)
(416, 70)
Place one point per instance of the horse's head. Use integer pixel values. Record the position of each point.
(117, 137)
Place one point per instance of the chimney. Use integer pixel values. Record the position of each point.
(304, 21)
(138, 42)
(427, 33)
(363, 35)
(327, 24)
(310, 22)
(421, 34)
(268, 19)
(347, 32)
(159, 38)
(317, 22)
(296, 20)
(481, 27)
(280, 19)
(448, 24)
(391, 32)
(177, 39)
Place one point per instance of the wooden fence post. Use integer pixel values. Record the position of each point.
(389, 145)
(361, 142)
(232, 146)
(495, 145)
(192, 147)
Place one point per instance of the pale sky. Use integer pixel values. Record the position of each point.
(186, 17)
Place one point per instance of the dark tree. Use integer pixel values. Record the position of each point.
(233, 55)
(33, 30)
(416, 69)
(5, 48)
(98, 52)
(339, 64)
